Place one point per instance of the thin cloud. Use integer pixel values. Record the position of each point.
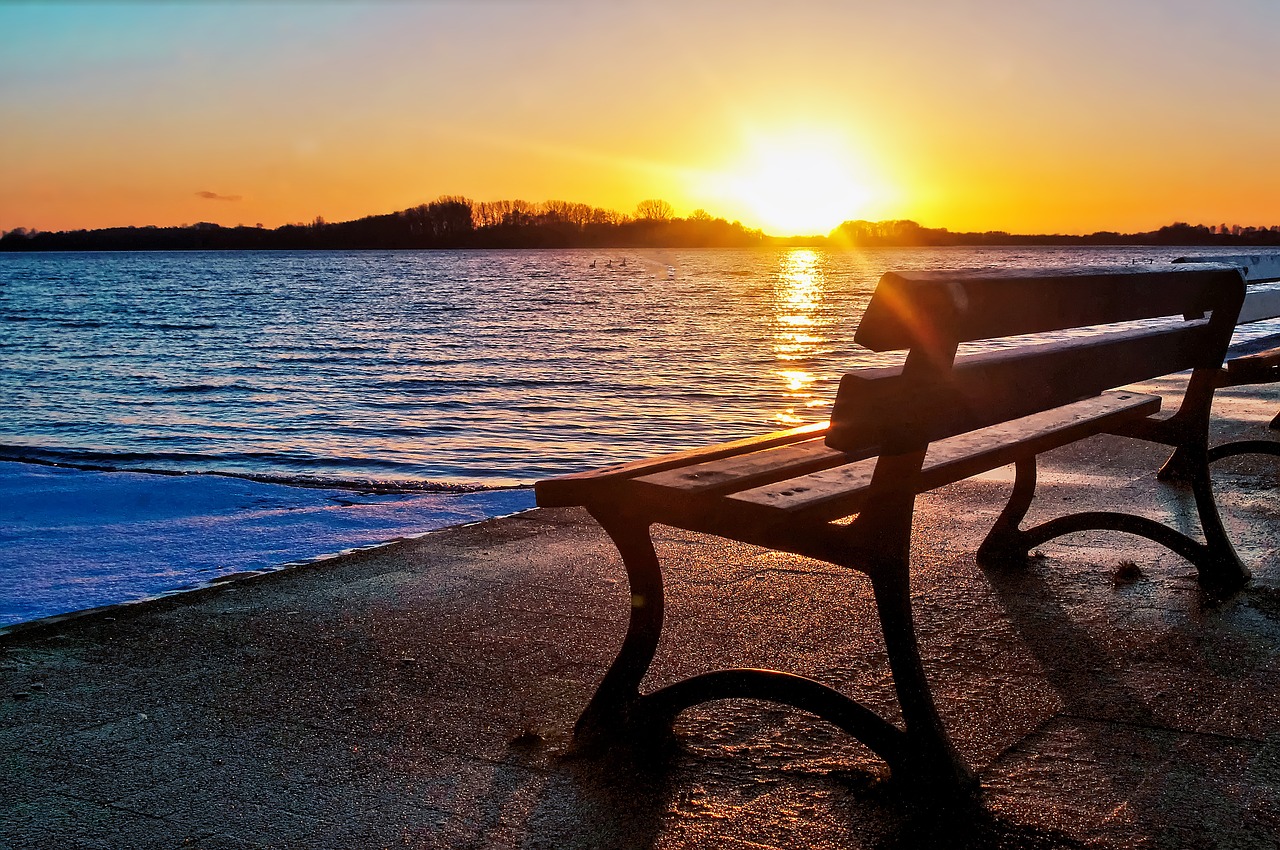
(214, 196)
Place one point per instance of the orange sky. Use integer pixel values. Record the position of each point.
(1026, 116)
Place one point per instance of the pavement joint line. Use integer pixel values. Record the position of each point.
(1017, 745)
(1170, 728)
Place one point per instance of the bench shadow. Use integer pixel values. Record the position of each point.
(1091, 685)
(642, 797)
(613, 798)
(978, 829)
(1078, 668)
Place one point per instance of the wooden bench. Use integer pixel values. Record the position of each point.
(903, 430)
(1256, 367)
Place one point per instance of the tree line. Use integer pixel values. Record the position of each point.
(448, 222)
(905, 233)
(453, 221)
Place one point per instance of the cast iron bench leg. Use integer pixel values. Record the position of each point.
(1177, 469)
(1220, 569)
(1005, 543)
(1217, 564)
(922, 758)
(933, 767)
(611, 708)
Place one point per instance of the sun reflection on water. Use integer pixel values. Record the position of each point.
(798, 338)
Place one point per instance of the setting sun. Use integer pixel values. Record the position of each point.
(797, 184)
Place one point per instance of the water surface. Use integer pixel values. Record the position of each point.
(426, 369)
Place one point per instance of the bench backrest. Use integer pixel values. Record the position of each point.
(934, 395)
(1259, 304)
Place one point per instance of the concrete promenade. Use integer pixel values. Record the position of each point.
(422, 695)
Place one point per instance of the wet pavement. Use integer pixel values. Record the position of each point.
(422, 695)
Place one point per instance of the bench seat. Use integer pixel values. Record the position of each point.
(792, 475)
(1261, 367)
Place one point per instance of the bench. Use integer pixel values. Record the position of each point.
(1256, 367)
(903, 430)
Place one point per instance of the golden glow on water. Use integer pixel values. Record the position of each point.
(798, 295)
(797, 381)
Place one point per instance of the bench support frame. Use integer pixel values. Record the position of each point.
(877, 542)
(1219, 568)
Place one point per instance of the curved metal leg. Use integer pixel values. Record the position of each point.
(614, 701)
(1245, 447)
(1005, 543)
(1189, 548)
(933, 766)
(881, 736)
(922, 758)
(1275, 423)
(1220, 569)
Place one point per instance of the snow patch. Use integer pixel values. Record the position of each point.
(73, 539)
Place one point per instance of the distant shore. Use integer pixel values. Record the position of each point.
(212, 237)
(454, 223)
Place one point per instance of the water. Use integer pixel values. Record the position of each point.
(403, 369)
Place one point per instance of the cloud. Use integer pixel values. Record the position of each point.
(214, 196)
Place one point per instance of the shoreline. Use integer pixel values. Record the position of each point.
(73, 540)
(306, 482)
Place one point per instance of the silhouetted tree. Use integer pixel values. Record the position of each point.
(449, 218)
(654, 209)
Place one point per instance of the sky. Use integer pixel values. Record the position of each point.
(1021, 115)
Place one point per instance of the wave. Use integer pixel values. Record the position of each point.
(215, 388)
(491, 382)
(323, 359)
(178, 463)
(173, 326)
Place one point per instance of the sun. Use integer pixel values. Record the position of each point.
(802, 183)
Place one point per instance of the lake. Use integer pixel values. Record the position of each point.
(428, 370)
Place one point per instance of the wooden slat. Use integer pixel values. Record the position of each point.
(580, 487)
(1256, 267)
(929, 308)
(1258, 367)
(838, 492)
(877, 407)
(747, 470)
